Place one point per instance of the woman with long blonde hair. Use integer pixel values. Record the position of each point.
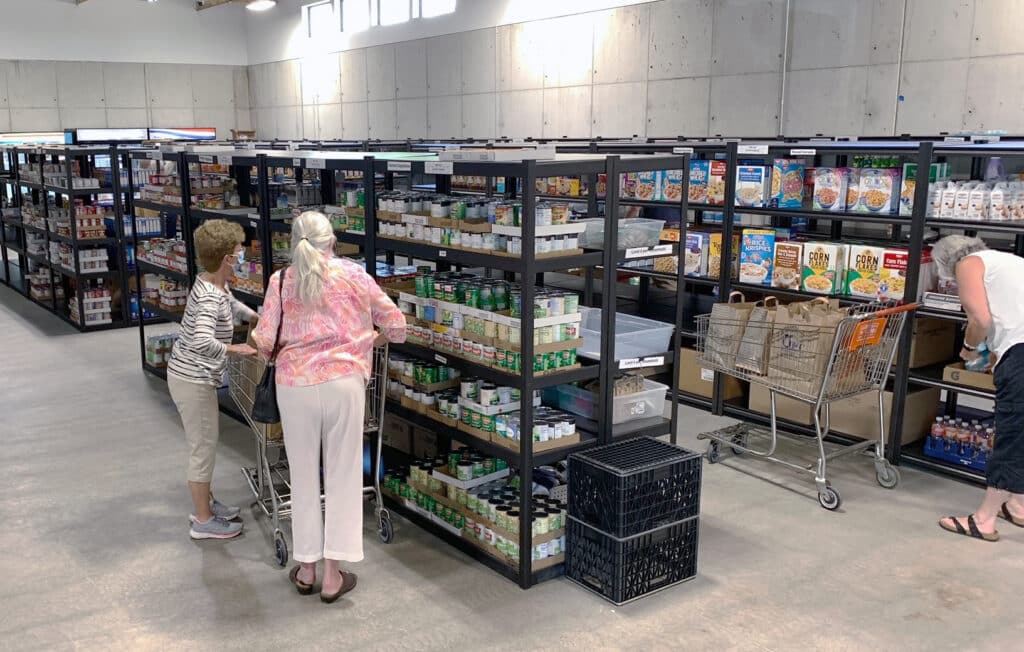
(329, 307)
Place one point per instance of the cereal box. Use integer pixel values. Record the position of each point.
(893, 276)
(695, 262)
(852, 187)
(751, 185)
(829, 189)
(647, 185)
(628, 185)
(716, 183)
(863, 271)
(700, 174)
(824, 266)
(788, 265)
(672, 185)
(787, 189)
(715, 255)
(878, 190)
(757, 253)
(936, 172)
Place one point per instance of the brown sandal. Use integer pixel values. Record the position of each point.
(1019, 522)
(300, 586)
(972, 530)
(348, 582)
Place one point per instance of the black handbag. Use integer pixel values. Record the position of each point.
(264, 404)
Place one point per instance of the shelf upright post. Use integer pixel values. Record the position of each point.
(69, 206)
(899, 389)
(725, 266)
(138, 271)
(119, 235)
(677, 339)
(370, 217)
(609, 302)
(181, 162)
(526, 318)
(263, 228)
(45, 195)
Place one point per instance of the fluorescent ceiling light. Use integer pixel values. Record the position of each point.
(260, 5)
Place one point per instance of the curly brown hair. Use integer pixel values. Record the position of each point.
(214, 240)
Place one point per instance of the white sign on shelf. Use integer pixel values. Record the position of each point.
(443, 253)
(316, 164)
(640, 363)
(440, 358)
(438, 167)
(658, 250)
(751, 149)
(682, 150)
(155, 156)
(206, 159)
(399, 166)
(225, 159)
(707, 375)
(254, 224)
(803, 152)
(296, 162)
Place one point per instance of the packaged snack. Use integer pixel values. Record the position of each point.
(824, 266)
(788, 267)
(647, 185)
(829, 189)
(672, 185)
(715, 256)
(852, 187)
(757, 253)
(863, 271)
(787, 190)
(552, 186)
(878, 190)
(695, 261)
(751, 185)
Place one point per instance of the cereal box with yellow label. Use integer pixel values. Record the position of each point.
(824, 267)
(715, 255)
(864, 271)
(893, 275)
(879, 190)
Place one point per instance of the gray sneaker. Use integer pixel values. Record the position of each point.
(215, 528)
(220, 510)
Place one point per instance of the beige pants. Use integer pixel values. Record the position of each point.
(200, 417)
(327, 416)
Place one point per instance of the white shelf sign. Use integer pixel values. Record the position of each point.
(803, 152)
(751, 149)
(659, 250)
(438, 167)
(316, 164)
(440, 358)
(155, 156)
(442, 253)
(682, 150)
(296, 162)
(399, 166)
(707, 375)
(206, 159)
(640, 363)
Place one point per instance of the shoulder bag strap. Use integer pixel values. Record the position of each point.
(277, 338)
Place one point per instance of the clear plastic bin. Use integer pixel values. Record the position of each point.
(642, 405)
(635, 337)
(633, 232)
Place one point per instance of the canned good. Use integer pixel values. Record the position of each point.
(488, 465)
(543, 335)
(478, 468)
(541, 525)
(461, 496)
(500, 464)
(458, 521)
(476, 420)
(486, 300)
(434, 484)
(473, 295)
(515, 303)
(464, 471)
(487, 423)
(501, 516)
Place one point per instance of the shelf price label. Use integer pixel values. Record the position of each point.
(254, 224)
(206, 159)
(751, 149)
(659, 250)
(440, 358)
(296, 162)
(443, 253)
(316, 164)
(640, 363)
(438, 167)
(155, 156)
(224, 159)
(399, 166)
(803, 152)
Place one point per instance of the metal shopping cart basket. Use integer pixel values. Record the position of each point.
(269, 480)
(814, 364)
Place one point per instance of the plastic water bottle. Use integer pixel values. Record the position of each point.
(981, 362)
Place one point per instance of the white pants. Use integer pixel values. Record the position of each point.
(327, 416)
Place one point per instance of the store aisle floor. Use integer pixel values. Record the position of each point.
(97, 554)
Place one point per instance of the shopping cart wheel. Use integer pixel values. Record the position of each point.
(738, 441)
(830, 499)
(280, 549)
(387, 532)
(888, 475)
(714, 452)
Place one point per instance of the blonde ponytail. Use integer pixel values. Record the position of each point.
(312, 239)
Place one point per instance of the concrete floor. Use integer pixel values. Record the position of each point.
(97, 554)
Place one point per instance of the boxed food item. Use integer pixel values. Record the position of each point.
(936, 172)
(647, 187)
(830, 189)
(978, 202)
(628, 185)
(878, 190)
(757, 252)
(824, 267)
(700, 176)
(852, 188)
(788, 265)
(947, 201)
(787, 189)
(893, 275)
(962, 200)
(715, 255)
(671, 185)
(863, 271)
(695, 260)
(751, 185)
(957, 373)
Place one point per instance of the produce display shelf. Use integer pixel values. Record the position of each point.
(162, 271)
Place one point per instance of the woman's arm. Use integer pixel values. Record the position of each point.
(386, 315)
(243, 312)
(266, 329)
(970, 280)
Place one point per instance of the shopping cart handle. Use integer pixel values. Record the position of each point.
(907, 307)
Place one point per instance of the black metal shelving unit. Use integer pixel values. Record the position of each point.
(12, 232)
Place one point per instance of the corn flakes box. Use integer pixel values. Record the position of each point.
(863, 271)
(757, 255)
(787, 190)
(879, 190)
(824, 267)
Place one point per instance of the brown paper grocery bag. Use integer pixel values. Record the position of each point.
(725, 330)
(753, 352)
(801, 344)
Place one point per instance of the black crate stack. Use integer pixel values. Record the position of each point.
(634, 511)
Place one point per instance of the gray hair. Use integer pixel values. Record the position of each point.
(312, 237)
(950, 250)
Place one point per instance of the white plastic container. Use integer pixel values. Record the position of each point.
(633, 232)
(645, 404)
(635, 337)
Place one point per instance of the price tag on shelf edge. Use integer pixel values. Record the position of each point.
(440, 358)
(751, 149)
(254, 224)
(206, 159)
(399, 166)
(438, 167)
(659, 250)
(443, 253)
(803, 152)
(224, 159)
(316, 164)
(640, 363)
(155, 156)
(296, 162)
(682, 150)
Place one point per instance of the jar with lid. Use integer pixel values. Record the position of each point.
(512, 521)
(541, 525)
(501, 516)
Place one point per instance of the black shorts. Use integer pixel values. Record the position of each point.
(1006, 464)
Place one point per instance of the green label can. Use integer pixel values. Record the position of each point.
(500, 464)
(478, 468)
(459, 521)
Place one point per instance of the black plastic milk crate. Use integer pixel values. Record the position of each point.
(634, 486)
(622, 570)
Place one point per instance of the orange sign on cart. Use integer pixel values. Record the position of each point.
(868, 333)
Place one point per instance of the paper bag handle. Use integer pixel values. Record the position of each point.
(734, 294)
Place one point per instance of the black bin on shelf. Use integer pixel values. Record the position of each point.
(634, 486)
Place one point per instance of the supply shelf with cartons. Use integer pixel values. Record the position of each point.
(403, 229)
(12, 233)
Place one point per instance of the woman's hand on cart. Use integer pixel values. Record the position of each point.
(243, 350)
(380, 340)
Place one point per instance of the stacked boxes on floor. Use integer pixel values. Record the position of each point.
(633, 521)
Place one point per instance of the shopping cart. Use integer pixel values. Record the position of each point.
(816, 365)
(269, 479)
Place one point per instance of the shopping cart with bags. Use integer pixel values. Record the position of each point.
(269, 478)
(813, 352)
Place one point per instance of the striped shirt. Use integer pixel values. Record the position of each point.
(198, 355)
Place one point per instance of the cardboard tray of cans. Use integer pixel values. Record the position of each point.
(423, 342)
(468, 484)
(476, 432)
(437, 416)
(538, 446)
(431, 388)
(492, 410)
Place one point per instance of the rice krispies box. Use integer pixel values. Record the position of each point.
(757, 255)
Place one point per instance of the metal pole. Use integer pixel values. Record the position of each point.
(609, 304)
(725, 266)
(526, 417)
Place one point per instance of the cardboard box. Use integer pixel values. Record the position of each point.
(934, 341)
(955, 373)
(786, 408)
(695, 380)
(397, 434)
(424, 443)
(858, 416)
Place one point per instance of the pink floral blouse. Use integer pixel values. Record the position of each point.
(334, 339)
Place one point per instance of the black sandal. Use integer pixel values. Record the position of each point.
(300, 586)
(972, 530)
(348, 582)
(1019, 522)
